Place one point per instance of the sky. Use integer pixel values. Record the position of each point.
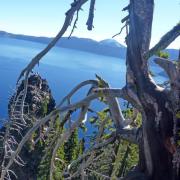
(46, 17)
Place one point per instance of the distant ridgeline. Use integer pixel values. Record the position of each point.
(107, 47)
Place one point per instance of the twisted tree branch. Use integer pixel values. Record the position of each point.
(165, 41)
(169, 66)
(69, 15)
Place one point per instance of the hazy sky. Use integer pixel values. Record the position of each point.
(45, 18)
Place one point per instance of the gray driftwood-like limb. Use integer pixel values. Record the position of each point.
(120, 30)
(125, 93)
(74, 25)
(130, 134)
(126, 8)
(99, 174)
(125, 19)
(165, 41)
(78, 104)
(115, 110)
(169, 66)
(113, 104)
(95, 147)
(91, 15)
(74, 90)
(69, 15)
(113, 92)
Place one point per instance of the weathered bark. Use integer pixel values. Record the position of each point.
(157, 126)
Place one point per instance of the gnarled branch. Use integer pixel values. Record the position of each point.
(169, 66)
(69, 15)
(165, 41)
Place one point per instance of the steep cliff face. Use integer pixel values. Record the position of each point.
(39, 100)
(38, 103)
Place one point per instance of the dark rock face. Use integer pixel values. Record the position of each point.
(38, 95)
(40, 103)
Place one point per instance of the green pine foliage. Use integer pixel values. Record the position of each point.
(44, 107)
(116, 159)
(113, 160)
(126, 158)
(60, 164)
(44, 167)
(162, 54)
(127, 155)
(81, 146)
(71, 147)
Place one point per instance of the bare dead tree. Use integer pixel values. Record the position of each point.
(159, 136)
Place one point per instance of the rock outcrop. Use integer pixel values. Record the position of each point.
(38, 99)
(38, 103)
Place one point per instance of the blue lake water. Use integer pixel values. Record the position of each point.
(63, 68)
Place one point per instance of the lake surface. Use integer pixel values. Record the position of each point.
(63, 68)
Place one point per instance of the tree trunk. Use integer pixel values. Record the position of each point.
(156, 161)
(157, 126)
